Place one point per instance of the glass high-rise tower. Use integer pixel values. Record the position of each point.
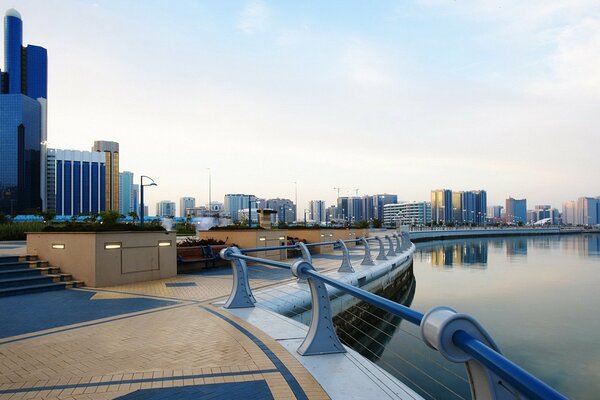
(23, 96)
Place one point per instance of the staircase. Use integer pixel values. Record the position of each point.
(27, 274)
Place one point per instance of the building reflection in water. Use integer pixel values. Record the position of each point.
(588, 247)
(469, 255)
(516, 247)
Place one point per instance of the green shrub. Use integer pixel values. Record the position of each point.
(98, 227)
(16, 231)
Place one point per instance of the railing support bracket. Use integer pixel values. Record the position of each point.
(367, 260)
(346, 263)
(241, 295)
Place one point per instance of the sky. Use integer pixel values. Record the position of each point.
(387, 96)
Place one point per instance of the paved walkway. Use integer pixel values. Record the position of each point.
(158, 339)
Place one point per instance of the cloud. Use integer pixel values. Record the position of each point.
(255, 17)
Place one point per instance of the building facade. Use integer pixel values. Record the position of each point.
(235, 202)
(587, 211)
(286, 210)
(126, 193)
(23, 100)
(111, 160)
(416, 213)
(75, 182)
(378, 202)
(441, 206)
(515, 211)
(186, 203)
(318, 211)
(165, 208)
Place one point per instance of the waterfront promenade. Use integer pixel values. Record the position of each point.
(170, 339)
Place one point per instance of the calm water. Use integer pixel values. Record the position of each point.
(539, 297)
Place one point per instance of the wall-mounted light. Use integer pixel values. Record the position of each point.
(164, 243)
(112, 246)
(322, 235)
(281, 237)
(262, 238)
(59, 246)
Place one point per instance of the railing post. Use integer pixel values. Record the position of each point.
(305, 256)
(346, 263)
(406, 240)
(438, 327)
(381, 255)
(241, 295)
(367, 260)
(399, 248)
(391, 252)
(321, 337)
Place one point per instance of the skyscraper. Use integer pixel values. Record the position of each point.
(111, 154)
(380, 200)
(165, 208)
(235, 202)
(23, 96)
(126, 202)
(286, 210)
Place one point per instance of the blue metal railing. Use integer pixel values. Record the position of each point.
(458, 337)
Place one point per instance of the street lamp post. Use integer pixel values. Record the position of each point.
(209, 193)
(305, 210)
(142, 195)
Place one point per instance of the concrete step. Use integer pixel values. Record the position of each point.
(23, 264)
(25, 272)
(14, 291)
(8, 259)
(28, 281)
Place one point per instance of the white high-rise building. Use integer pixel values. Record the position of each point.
(318, 211)
(235, 202)
(184, 204)
(569, 213)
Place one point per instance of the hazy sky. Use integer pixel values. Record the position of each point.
(387, 96)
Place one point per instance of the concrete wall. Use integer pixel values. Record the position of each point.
(417, 236)
(251, 238)
(137, 258)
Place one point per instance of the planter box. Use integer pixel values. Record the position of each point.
(251, 238)
(108, 258)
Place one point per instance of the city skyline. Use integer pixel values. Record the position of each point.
(427, 94)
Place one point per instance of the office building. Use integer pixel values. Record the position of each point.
(126, 194)
(75, 182)
(186, 203)
(331, 213)
(23, 118)
(111, 155)
(495, 212)
(516, 211)
(318, 211)
(235, 202)
(165, 208)
(415, 213)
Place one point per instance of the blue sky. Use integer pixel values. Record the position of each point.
(384, 96)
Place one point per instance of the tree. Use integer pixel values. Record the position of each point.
(376, 223)
(110, 217)
(133, 215)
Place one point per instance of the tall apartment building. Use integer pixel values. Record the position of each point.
(233, 203)
(184, 204)
(111, 156)
(165, 208)
(441, 206)
(75, 182)
(127, 196)
(515, 211)
(318, 211)
(23, 120)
